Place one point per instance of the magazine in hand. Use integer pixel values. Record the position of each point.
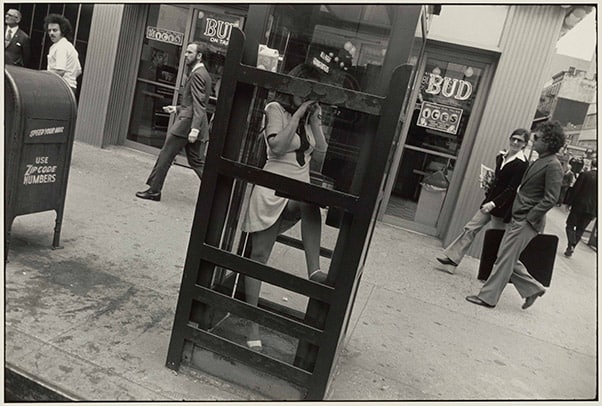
(486, 177)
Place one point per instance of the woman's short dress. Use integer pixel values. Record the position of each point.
(265, 207)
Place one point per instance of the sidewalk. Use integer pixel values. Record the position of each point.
(93, 319)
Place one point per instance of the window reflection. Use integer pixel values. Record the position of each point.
(157, 74)
(348, 42)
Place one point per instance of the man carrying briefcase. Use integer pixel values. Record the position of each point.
(537, 194)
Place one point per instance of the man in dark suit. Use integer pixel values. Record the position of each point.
(537, 194)
(190, 129)
(584, 206)
(17, 48)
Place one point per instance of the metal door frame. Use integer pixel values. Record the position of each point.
(448, 51)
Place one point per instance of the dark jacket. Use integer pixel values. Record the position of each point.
(505, 183)
(538, 191)
(18, 51)
(585, 193)
(192, 111)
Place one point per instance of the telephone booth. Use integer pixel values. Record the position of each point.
(302, 322)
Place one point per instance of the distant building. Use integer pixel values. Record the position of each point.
(588, 136)
(569, 99)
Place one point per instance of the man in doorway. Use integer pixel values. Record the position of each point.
(537, 194)
(190, 129)
(63, 58)
(17, 44)
(584, 206)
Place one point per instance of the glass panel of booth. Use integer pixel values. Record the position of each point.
(348, 45)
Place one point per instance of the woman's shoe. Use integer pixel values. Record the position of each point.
(318, 276)
(254, 344)
(447, 265)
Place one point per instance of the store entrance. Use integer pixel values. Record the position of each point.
(161, 73)
(438, 128)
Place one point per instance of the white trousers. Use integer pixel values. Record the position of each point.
(458, 248)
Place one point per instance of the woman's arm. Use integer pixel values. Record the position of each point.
(280, 142)
(506, 196)
(315, 123)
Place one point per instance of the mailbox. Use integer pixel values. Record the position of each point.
(40, 112)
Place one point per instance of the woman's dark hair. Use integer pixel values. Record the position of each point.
(552, 134)
(61, 20)
(526, 134)
(303, 71)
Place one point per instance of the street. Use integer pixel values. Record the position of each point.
(93, 319)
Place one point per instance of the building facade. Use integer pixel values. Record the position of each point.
(478, 76)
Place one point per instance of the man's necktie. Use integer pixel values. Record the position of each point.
(8, 37)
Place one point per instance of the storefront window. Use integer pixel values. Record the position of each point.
(213, 26)
(159, 79)
(437, 128)
(158, 72)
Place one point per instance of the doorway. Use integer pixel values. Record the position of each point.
(161, 70)
(441, 124)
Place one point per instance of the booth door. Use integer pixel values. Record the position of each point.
(438, 127)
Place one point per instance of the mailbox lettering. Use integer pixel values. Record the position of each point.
(46, 131)
(40, 172)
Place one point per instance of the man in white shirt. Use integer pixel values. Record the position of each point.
(63, 58)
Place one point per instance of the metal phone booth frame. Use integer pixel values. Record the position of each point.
(321, 329)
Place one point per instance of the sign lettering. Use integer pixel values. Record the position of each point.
(439, 117)
(217, 27)
(39, 172)
(448, 87)
(46, 131)
(163, 35)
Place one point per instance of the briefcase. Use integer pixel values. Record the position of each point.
(538, 257)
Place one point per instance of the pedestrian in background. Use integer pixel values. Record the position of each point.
(496, 209)
(17, 44)
(63, 58)
(577, 165)
(583, 206)
(190, 129)
(537, 194)
(568, 179)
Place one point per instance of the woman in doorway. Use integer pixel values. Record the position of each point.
(293, 134)
(510, 166)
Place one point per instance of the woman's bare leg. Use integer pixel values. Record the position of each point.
(311, 234)
(261, 249)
